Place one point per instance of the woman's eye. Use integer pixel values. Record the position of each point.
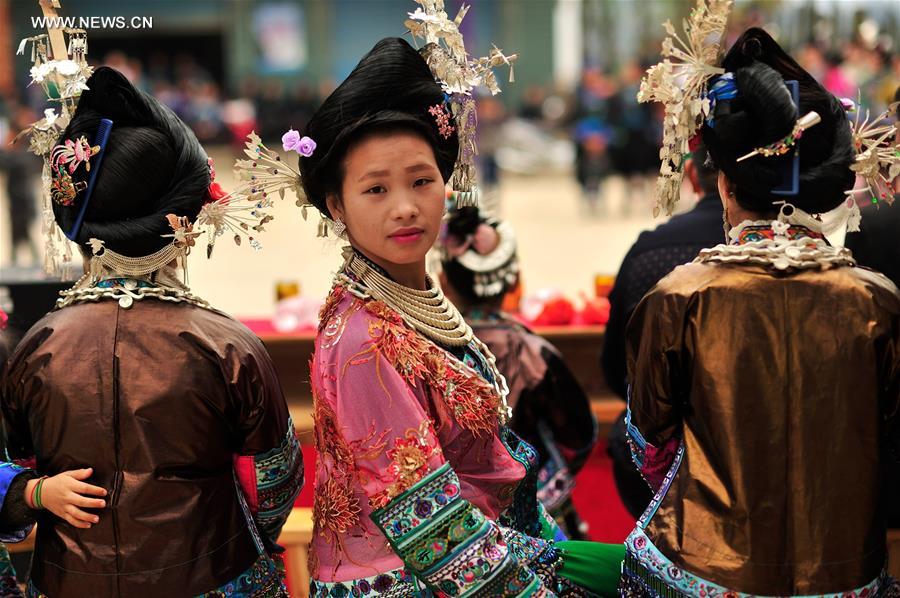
(422, 181)
(376, 189)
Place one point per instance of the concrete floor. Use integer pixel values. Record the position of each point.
(560, 245)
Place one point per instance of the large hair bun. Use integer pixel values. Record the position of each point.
(153, 166)
(390, 89)
(762, 113)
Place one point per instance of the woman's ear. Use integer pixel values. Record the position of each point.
(726, 189)
(334, 206)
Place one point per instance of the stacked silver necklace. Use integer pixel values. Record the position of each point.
(429, 312)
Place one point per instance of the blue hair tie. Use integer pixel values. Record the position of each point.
(100, 139)
(724, 88)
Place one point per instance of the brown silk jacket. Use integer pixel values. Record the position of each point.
(783, 392)
(158, 399)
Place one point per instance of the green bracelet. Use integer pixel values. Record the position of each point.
(37, 494)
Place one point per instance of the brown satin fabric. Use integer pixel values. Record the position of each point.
(780, 386)
(157, 399)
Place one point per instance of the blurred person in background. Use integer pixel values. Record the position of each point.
(491, 116)
(634, 147)
(22, 180)
(592, 164)
(591, 135)
(550, 410)
(654, 255)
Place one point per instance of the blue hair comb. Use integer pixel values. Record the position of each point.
(100, 139)
(790, 173)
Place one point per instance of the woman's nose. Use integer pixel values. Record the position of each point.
(405, 206)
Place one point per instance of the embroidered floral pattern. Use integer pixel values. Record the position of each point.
(394, 392)
(279, 479)
(394, 583)
(472, 400)
(409, 462)
(335, 506)
(450, 543)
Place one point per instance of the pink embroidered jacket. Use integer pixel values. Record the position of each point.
(393, 413)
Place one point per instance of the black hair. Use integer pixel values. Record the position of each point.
(152, 166)
(762, 113)
(707, 173)
(390, 90)
(463, 222)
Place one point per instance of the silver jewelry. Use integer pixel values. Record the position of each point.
(428, 312)
(781, 253)
(496, 269)
(339, 228)
(162, 285)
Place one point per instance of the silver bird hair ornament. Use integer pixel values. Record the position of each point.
(457, 74)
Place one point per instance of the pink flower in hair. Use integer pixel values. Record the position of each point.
(306, 147)
(291, 141)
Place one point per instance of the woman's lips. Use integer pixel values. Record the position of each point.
(407, 236)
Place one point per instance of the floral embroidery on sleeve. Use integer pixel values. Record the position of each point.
(409, 462)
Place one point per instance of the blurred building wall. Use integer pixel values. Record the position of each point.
(336, 32)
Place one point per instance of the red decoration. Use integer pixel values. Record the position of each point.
(557, 311)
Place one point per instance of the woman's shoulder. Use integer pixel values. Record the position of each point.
(351, 321)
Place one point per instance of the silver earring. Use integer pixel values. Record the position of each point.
(339, 228)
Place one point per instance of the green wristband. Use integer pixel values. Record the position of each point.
(37, 494)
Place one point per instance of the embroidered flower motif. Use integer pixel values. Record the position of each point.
(335, 507)
(472, 401)
(383, 583)
(409, 457)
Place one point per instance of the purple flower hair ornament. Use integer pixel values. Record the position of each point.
(292, 141)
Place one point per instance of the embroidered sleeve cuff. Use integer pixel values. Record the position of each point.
(15, 517)
(450, 544)
(275, 480)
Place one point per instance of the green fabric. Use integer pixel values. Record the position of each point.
(592, 565)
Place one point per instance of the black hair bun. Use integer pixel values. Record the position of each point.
(464, 222)
(762, 113)
(390, 89)
(153, 166)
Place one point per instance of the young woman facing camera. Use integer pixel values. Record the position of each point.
(391, 201)
(421, 488)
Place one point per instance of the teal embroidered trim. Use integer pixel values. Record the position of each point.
(279, 479)
(449, 543)
(648, 572)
